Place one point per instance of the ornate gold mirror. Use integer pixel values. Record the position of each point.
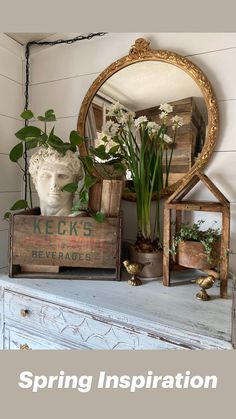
(143, 80)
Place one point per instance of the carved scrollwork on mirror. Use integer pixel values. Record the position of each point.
(143, 80)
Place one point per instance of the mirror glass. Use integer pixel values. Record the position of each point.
(141, 87)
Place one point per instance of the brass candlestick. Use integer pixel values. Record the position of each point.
(134, 269)
(206, 282)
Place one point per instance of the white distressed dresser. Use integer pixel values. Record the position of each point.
(95, 314)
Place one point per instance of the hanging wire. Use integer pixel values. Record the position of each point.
(26, 177)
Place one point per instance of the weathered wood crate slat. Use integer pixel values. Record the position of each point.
(73, 242)
(105, 196)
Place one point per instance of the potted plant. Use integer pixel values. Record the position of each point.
(109, 168)
(195, 248)
(143, 146)
(52, 150)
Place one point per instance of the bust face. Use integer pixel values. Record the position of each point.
(49, 181)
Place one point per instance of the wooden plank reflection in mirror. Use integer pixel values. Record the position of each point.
(190, 137)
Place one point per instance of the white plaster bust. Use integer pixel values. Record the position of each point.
(51, 171)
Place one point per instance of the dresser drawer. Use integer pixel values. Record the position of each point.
(20, 340)
(49, 319)
(79, 328)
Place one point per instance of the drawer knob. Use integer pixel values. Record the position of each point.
(24, 312)
(24, 347)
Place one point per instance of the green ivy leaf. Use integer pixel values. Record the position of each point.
(49, 113)
(99, 217)
(76, 206)
(113, 150)
(41, 118)
(55, 142)
(89, 181)
(49, 116)
(73, 148)
(51, 134)
(75, 138)
(115, 139)
(67, 146)
(70, 187)
(88, 162)
(21, 204)
(84, 197)
(7, 215)
(27, 114)
(17, 152)
(43, 138)
(28, 133)
(100, 152)
(32, 143)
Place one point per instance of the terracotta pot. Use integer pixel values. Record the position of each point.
(154, 269)
(191, 254)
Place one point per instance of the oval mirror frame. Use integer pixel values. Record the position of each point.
(141, 51)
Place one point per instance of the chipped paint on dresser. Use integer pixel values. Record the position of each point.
(56, 315)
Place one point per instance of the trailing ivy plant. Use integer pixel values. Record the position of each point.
(207, 238)
(108, 156)
(32, 137)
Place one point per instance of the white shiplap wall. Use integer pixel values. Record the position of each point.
(11, 105)
(62, 74)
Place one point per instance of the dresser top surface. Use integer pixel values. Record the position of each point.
(151, 303)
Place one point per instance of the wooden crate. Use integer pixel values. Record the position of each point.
(70, 244)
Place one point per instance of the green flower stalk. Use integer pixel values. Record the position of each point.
(142, 143)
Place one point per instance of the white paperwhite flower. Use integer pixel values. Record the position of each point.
(140, 120)
(111, 128)
(166, 107)
(153, 127)
(114, 109)
(178, 121)
(123, 119)
(128, 175)
(126, 118)
(130, 116)
(167, 139)
(163, 115)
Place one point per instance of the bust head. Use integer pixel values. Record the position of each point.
(51, 171)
